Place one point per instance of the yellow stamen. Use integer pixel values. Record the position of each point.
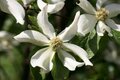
(101, 14)
(55, 43)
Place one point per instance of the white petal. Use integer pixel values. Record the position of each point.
(26, 2)
(69, 32)
(55, 1)
(4, 6)
(52, 8)
(86, 24)
(5, 35)
(13, 7)
(100, 3)
(78, 51)
(33, 37)
(112, 24)
(43, 59)
(101, 28)
(114, 9)
(43, 22)
(68, 60)
(87, 7)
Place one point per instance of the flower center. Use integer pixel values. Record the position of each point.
(55, 43)
(101, 14)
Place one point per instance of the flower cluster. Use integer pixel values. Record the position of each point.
(101, 17)
(54, 44)
(59, 44)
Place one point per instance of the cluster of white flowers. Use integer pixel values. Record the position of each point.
(59, 44)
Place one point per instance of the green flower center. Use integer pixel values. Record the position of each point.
(101, 14)
(55, 43)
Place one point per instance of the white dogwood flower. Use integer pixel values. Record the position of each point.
(53, 6)
(55, 44)
(101, 15)
(6, 41)
(14, 8)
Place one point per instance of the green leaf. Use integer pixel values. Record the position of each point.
(10, 65)
(33, 23)
(59, 72)
(103, 43)
(36, 73)
(33, 20)
(116, 36)
(92, 44)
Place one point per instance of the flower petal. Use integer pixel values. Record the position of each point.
(112, 24)
(4, 6)
(43, 22)
(33, 37)
(86, 24)
(43, 59)
(5, 35)
(55, 1)
(13, 7)
(86, 6)
(101, 28)
(26, 2)
(100, 3)
(68, 60)
(52, 8)
(114, 9)
(69, 32)
(78, 51)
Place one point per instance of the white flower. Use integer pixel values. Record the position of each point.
(26, 2)
(14, 8)
(101, 15)
(54, 1)
(53, 7)
(55, 44)
(6, 41)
